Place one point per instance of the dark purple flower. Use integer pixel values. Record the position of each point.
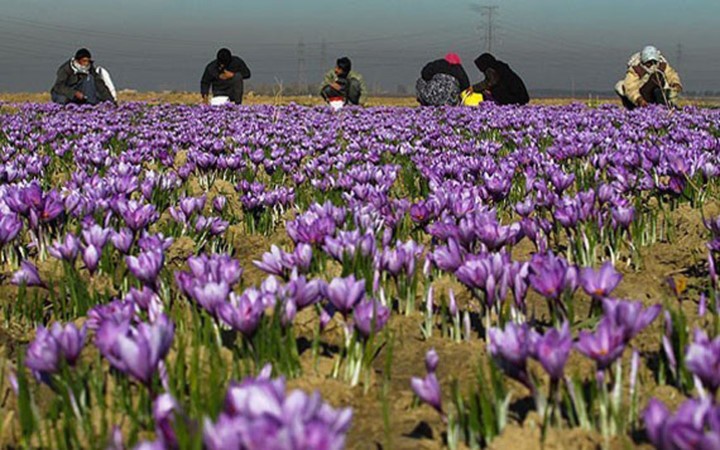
(601, 283)
(370, 316)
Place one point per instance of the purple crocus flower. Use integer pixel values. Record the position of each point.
(96, 236)
(10, 227)
(122, 240)
(43, 353)
(428, 390)
(146, 266)
(116, 311)
(219, 203)
(552, 349)
(622, 215)
(448, 258)
(70, 340)
(139, 350)
(164, 408)
(67, 249)
(630, 316)
(605, 345)
(273, 262)
(91, 257)
(702, 358)
(136, 215)
(551, 275)
(27, 275)
(599, 284)
(695, 425)
(431, 360)
(370, 316)
(345, 293)
(210, 295)
(510, 348)
(243, 313)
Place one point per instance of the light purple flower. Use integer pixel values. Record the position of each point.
(601, 283)
(370, 316)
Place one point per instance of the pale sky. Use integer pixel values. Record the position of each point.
(165, 44)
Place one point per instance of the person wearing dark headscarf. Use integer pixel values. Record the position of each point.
(501, 84)
(442, 81)
(224, 76)
(79, 81)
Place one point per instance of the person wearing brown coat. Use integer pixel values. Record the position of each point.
(649, 80)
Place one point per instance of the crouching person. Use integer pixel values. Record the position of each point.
(343, 86)
(79, 81)
(649, 80)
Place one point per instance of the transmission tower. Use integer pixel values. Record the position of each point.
(323, 55)
(301, 69)
(678, 55)
(489, 12)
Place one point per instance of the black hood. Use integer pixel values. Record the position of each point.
(485, 61)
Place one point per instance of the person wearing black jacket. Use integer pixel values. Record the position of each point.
(224, 76)
(501, 84)
(441, 82)
(79, 81)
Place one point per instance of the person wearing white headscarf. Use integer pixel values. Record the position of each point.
(79, 81)
(649, 80)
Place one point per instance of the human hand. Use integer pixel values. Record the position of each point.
(642, 102)
(205, 100)
(226, 75)
(79, 95)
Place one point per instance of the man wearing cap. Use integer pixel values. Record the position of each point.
(441, 82)
(649, 80)
(342, 84)
(80, 82)
(224, 76)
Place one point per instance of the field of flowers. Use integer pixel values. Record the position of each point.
(292, 278)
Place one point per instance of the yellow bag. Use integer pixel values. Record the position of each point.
(470, 98)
